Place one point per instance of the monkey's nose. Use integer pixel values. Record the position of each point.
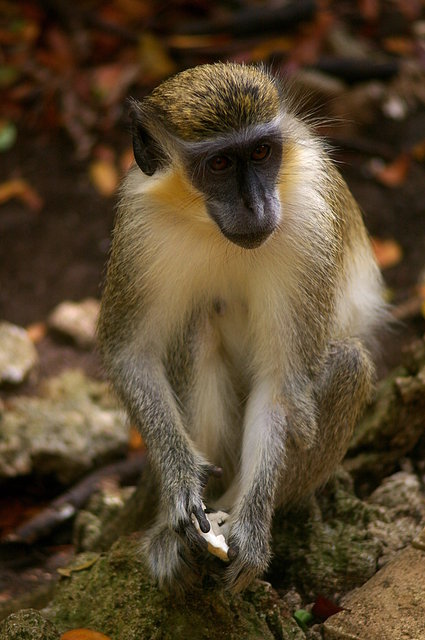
(254, 209)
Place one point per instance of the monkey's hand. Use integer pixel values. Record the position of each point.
(174, 544)
(183, 500)
(249, 550)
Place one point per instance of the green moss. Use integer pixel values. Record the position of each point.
(115, 596)
(325, 547)
(27, 624)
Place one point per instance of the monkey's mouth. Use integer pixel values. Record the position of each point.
(249, 240)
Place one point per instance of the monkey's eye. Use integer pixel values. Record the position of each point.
(219, 163)
(261, 152)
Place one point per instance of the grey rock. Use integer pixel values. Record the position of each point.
(75, 424)
(17, 354)
(401, 516)
(102, 506)
(77, 320)
(395, 421)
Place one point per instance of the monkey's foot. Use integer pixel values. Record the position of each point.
(250, 557)
(171, 560)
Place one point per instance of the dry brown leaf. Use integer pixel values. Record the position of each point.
(104, 176)
(399, 45)
(111, 81)
(20, 189)
(37, 331)
(84, 634)
(418, 151)
(388, 253)
(68, 571)
(395, 173)
(271, 46)
(155, 63)
(188, 41)
(134, 9)
(135, 442)
(369, 9)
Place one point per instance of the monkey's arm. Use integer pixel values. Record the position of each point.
(138, 376)
(181, 469)
(263, 455)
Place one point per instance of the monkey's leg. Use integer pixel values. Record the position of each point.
(342, 389)
(262, 458)
(172, 557)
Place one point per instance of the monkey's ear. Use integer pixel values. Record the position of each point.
(147, 151)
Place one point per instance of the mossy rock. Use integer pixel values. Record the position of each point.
(27, 624)
(325, 547)
(114, 594)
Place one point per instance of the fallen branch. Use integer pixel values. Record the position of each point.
(66, 505)
(410, 308)
(254, 20)
(357, 69)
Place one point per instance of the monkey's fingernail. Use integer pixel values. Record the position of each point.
(232, 553)
(202, 519)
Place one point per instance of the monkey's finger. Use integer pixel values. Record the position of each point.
(217, 472)
(208, 510)
(210, 470)
(195, 541)
(202, 519)
(233, 552)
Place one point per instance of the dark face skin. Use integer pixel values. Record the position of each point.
(237, 173)
(239, 181)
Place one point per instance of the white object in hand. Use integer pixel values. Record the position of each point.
(216, 542)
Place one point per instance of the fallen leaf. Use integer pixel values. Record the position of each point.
(411, 9)
(388, 253)
(135, 441)
(183, 41)
(68, 571)
(20, 189)
(399, 45)
(271, 46)
(37, 331)
(418, 151)
(84, 634)
(324, 608)
(104, 176)
(303, 618)
(111, 81)
(393, 174)
(8, 75)
(8, 135)
(155, 63)
(369, 9)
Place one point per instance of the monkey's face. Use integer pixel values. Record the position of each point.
(238, 175)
